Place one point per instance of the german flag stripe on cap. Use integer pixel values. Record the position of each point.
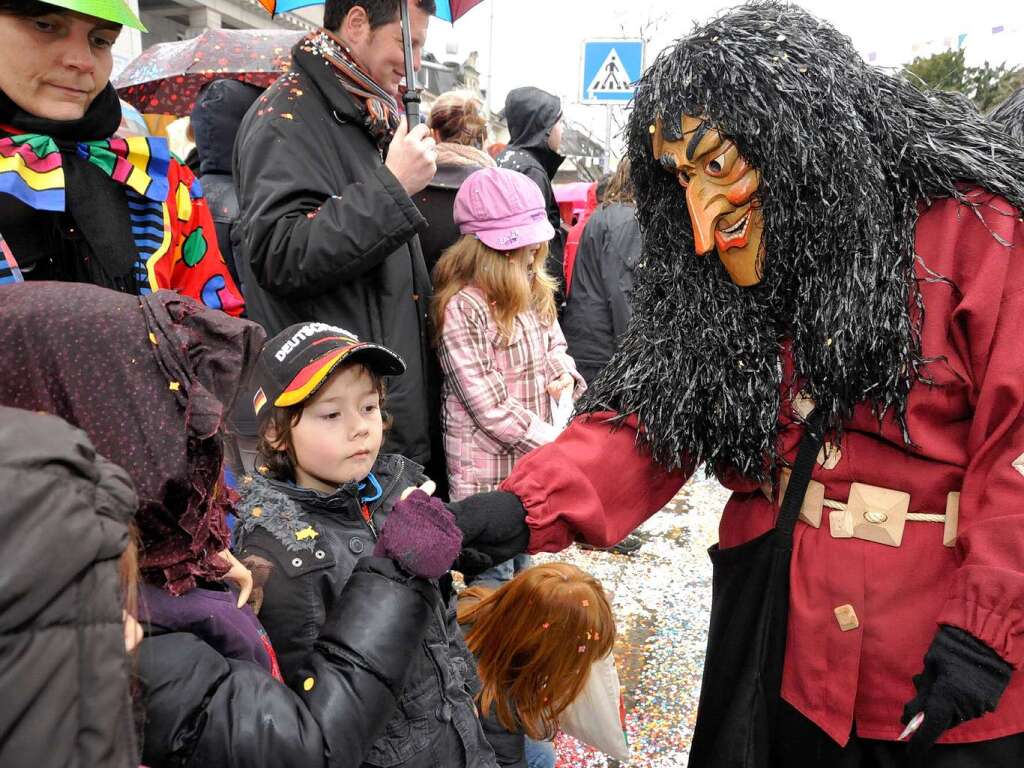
(312, 376)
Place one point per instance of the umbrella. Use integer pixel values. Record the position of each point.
(452, 10)
(167, 77)
(449, 10)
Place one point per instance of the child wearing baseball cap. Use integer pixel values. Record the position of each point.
(501, 349)
(319, 502)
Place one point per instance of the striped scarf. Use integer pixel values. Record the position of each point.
(32, 167)
(379, 106)
(9, 272)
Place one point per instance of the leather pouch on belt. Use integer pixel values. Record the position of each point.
(878, 514)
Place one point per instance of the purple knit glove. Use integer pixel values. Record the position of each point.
(421, 536)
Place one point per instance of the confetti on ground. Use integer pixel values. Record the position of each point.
(662, 599)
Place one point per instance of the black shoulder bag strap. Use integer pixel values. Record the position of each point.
(807, 453)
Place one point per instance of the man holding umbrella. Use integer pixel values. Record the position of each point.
(326, 169)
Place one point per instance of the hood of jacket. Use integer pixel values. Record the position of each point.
(215, 120)
(65, 519)
(531, 114)
(155, 408)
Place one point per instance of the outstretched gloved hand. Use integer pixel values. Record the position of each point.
(493, 529)
(421, 536)
(962, 679)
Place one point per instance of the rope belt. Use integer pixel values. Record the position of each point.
(871, 513)
(914, 517)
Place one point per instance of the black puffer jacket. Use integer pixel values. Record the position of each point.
(599, 304)
(329, 234)
(64, 676)
(215, 119)
(531, 114)
(312, 542)
(205, 711)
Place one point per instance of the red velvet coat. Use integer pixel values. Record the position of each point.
(968, 432)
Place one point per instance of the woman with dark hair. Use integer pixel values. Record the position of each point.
(76, 204)
(826, 253)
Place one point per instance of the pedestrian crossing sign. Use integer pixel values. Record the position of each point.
(610, 70)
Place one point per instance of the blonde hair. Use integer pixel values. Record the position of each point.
(509, 289)
(535, 640)
(457, 118)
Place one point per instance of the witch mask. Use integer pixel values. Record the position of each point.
(721, 194)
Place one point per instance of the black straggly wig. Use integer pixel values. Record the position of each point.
(846, 153)
(1010, 114)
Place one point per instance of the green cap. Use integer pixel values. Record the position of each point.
(117, 11)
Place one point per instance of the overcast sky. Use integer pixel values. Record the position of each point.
(538, 42)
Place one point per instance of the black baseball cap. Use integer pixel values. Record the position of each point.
(294, 364)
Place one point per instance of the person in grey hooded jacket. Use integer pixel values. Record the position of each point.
(535, 135)
(597, 309)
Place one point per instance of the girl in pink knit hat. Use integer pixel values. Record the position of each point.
(500, 346)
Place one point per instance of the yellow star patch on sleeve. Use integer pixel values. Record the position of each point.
(306, 533)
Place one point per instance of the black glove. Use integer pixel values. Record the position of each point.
(493, 529)
(963, 679)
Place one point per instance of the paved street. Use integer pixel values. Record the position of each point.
(662, 596)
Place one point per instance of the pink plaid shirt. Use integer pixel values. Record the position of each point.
(496, 405)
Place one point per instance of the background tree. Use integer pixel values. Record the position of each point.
(985, 86)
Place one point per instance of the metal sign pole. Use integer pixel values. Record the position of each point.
(608, 138)
(490, 60)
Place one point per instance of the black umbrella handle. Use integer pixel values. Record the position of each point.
(412, 95)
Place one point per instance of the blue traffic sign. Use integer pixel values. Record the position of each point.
(610, 70)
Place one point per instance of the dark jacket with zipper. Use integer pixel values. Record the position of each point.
(313, 542)
(599, 304)
(329, 234)
(531, 114)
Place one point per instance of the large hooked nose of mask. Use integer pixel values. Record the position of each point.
(706, 205)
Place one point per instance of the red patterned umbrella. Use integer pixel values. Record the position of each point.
(167, 77)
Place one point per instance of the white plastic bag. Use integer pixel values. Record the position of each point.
(593, 717)
(561, 409)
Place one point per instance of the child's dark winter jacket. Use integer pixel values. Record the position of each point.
(313, 541)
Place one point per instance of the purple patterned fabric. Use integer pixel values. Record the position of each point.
(149, 380)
